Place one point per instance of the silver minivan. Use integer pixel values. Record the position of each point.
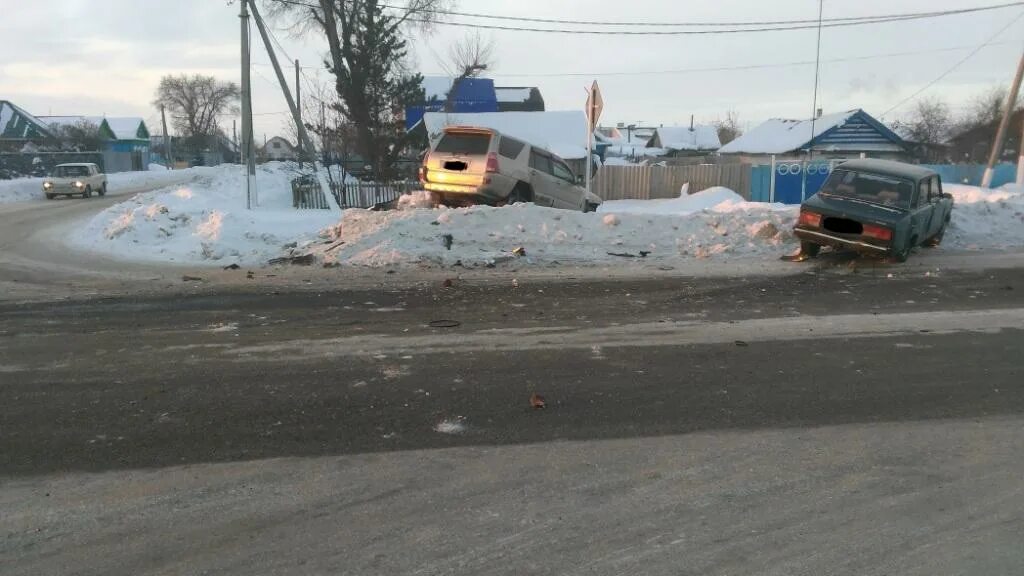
(470, 165)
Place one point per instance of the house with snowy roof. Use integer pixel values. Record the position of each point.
(693, 140)
(125, 139)
(519, 99)
(849, 134)
(18, 128)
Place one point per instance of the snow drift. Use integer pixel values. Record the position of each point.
(206, 221)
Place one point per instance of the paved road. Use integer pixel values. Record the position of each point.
(826, 422)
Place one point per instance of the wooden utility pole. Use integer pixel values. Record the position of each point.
(298, 104)
(997, 146)
(167, 140)
(1020, 155)
(248, 157)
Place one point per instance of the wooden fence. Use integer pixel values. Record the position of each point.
(652, 182)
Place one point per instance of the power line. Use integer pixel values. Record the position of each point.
(955, 66)
(761, 26)
(733, 68)
(697, 23)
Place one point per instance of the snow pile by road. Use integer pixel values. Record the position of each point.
(985, 219)
(716, 198)
(206, 221)
(711, 224)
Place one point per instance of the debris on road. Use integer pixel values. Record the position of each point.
(444, 324)
(537, 401)
(448, 283)
(187, 278)
(742, 344)
(303, 260)
(451, 426)
(519, 251)
(232, 267)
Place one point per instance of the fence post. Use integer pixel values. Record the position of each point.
(771, 183)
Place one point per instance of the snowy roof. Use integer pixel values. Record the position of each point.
(127, 128)
(18, 124)
(124, 128)
(562, 132)
(512, 94)
(778, 135)
(700, 137)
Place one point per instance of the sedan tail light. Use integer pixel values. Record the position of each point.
(812, 219)
(492, 162)
(877, 232)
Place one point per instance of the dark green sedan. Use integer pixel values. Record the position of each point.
(875, 207)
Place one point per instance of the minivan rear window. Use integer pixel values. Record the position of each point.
(461, 143)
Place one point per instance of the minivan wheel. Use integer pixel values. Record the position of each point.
(520, 193)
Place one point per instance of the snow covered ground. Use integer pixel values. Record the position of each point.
(206, 221)
(985, 219)
(714, 223)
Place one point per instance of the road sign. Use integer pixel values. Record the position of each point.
(595, 105)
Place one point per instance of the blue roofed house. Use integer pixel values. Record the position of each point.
(842, 135)
(472, 95)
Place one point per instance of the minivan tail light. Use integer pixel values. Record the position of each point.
(877, 232)
(812, 219)
(492, 162)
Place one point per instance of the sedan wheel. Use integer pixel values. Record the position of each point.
(87, 193)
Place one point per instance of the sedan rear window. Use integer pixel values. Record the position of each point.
(872, 188)
(461, 143)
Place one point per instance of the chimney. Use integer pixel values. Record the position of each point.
(818, 115)
(691, 122)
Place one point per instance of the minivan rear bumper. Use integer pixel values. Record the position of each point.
(489, 188)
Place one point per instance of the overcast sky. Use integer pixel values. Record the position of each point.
(107, 56)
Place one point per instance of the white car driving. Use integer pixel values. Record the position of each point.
(75, 179)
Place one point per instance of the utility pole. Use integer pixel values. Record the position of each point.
(1020, 156)
(298, 104)
(248, 158)
(167, 140)
(262, 27)
(997, 146)
(323, 130)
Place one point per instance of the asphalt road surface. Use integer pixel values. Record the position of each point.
(828, 422)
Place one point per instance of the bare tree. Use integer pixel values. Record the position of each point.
(81, 135)
(368, 55)
(195, 102)
(469, 58)
(729, 128)
(928, 123)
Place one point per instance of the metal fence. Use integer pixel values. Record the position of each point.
(308, 195)
(18, 164)
(371, 194)
(652, 182)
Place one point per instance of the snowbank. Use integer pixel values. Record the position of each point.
(985, 219)
(21, 190)
(205, 221)
(715, 198)
(481, 235)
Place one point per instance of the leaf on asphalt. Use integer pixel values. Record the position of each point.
(537, 401)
